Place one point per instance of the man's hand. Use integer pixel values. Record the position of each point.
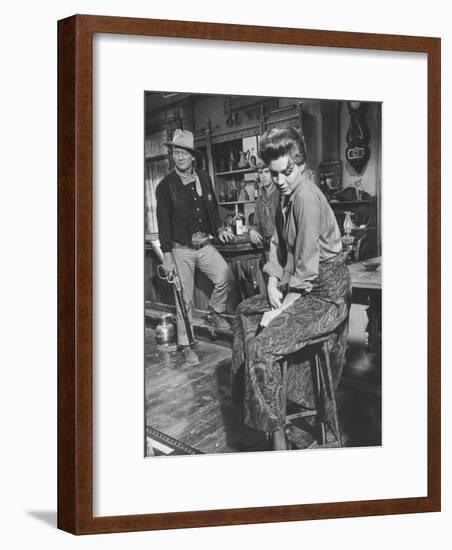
(225, 236)
(168, 265)
(255, 237)
(274, 294)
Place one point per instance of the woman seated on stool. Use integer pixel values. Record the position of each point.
(308, 287)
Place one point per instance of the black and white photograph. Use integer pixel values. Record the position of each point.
(262, 273)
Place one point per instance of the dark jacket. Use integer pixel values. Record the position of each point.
(174, 220)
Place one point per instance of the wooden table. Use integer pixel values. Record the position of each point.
(366, 290)
(362, 278)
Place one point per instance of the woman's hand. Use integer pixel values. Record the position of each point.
(268, 317)
(275, 296)
(255, 236)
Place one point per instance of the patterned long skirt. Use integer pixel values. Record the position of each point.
(256, 355)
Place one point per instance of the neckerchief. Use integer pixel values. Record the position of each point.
(190, 178)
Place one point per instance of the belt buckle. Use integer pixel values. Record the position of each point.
(198, 240)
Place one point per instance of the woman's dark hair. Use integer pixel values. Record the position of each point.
(278, 142)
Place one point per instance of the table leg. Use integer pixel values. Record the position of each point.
(374, 325)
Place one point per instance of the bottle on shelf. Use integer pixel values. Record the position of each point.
(237, 223)
(227, 192)
(232, 163)
(221, 195)
(234, 193)
(256, 190)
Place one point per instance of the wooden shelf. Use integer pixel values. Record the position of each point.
(229, 203)
(237, 172)
(349, 203)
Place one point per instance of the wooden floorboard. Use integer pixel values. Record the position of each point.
(193, 404)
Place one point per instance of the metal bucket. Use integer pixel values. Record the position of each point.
(165, 332)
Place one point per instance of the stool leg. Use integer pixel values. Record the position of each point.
(318, 397)
(329, 381)
(284, 385)
(321, 410)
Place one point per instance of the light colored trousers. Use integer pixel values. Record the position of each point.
(208, 260)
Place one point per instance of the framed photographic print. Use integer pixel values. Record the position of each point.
(249, 274)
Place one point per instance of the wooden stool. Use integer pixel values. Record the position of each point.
(322, 379)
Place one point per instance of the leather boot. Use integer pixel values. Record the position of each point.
(190, 357)
(216, 321)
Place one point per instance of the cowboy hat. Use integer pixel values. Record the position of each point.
(183, 139)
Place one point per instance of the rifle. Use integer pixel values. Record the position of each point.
(175, 281)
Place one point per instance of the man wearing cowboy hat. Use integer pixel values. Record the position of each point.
(187, 215)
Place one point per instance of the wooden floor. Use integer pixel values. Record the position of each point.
(193, 405)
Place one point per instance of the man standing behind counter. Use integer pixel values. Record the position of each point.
(265, 210)
(187, 215)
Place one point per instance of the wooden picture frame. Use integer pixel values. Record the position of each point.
(75, 274)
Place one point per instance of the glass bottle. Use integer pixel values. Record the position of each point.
(228, 193)
(222, 195)
(233, 196)
(348, 224)
(348, 239)
(256, 190)
(237, 224)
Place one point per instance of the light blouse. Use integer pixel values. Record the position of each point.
(311, 235)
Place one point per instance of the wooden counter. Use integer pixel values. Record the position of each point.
(244, 260)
